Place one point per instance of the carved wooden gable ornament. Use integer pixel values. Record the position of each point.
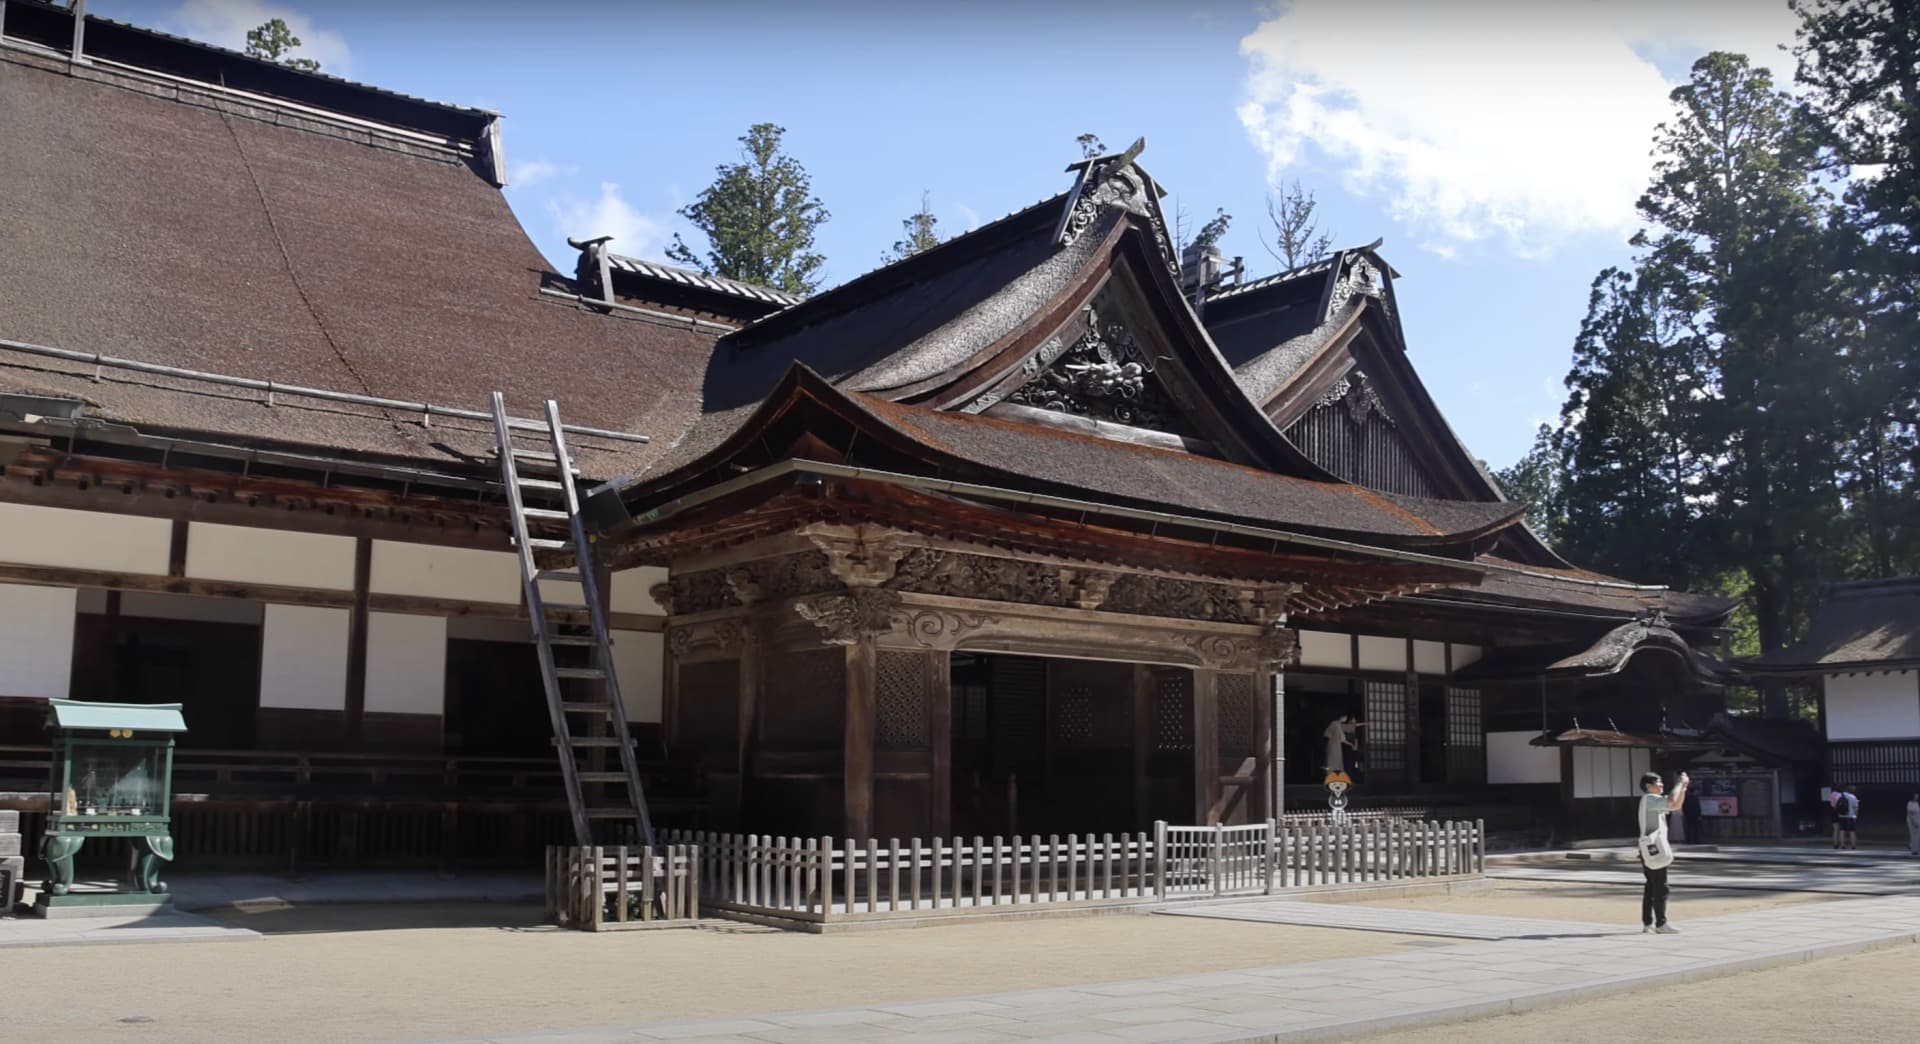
(1105, 374)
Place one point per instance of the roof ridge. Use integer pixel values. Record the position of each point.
(707, 280)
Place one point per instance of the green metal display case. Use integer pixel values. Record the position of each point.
(112, 777)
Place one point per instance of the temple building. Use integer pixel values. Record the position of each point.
(1045, 528)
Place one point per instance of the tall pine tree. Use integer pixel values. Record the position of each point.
(1702, 418)
(759, 216)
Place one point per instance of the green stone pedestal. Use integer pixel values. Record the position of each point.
(100, 904)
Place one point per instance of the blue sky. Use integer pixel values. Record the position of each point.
(1496, 145)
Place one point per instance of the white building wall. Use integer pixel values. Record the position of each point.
(459, 573)
(1609, 772)
(303, 657)
(1383, 654)
(1465, 655)
(1884, 705)
(406, 664)
(639, 659)
(630, 587)
(1326, 649)
(93, 540)
(248, 555)
(1430, 657)
(36, 640)
(1512, 759)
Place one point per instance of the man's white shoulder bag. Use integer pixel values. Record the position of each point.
(1655, 850)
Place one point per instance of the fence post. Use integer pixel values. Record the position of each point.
(598, 899)
(620, 881)
(1160, 859)
(1479, 846)
(1215, 864)
(823, 856)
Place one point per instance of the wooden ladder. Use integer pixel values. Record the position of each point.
(576, 670)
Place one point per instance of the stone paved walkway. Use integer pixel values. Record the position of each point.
(1335, 999)
(1402, 922)
(170, 926)
(1689, 873)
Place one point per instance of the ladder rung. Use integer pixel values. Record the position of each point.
(540, 458)
(577, 707)
(543, 544)
(538, 483)
(572, 639)
(565, 607)
(601, 777)
(557, 574)
(579, 672)
(592, 741)
(610, 813)
(523, 424)
(544, 513)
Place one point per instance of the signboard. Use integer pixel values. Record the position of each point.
(1720, 806)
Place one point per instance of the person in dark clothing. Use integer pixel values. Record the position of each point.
(1690, 816)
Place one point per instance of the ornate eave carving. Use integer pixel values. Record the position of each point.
(708, 638)
(1362, 279)
(1356, 393)
(1117, 182)
(849, 616)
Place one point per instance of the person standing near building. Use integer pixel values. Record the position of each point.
(1846, 818)
(1913, 825)
(1656, 854)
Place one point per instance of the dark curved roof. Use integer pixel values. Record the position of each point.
(1184, 482)
(1859, 625)
(171, 232)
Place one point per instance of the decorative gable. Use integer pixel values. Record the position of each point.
(1105, 375)
(1349, 431)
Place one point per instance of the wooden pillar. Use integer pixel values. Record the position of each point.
(1264, 746)
(1416, 740)
(940, 737)
(356, 705)
(747, 728)
(1206, 745)
(1142, 743)
(857, 771)
(1276, 694)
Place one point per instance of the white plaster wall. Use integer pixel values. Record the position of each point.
(1430, 657)
(303, 657)
(462, 573)
(1873, 706)
(638, 662)
(1511, 759)
(1464, 655)
(96, 540)
(1383, 654)
(1326, 649)
(1609, 772)
(36, 640)
(248, 555)
(406, 663)
(630, 588)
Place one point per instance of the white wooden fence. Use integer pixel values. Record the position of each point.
(829, 880)
(611, 887)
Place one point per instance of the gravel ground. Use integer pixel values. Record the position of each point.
(345, 973)
(413, 972)
(1867, 998)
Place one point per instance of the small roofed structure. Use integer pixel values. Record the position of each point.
(1861, 655)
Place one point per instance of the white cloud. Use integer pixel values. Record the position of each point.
(533, 172)
(1523, 122)
(226, 22)
(634, 233)
(969, 216)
